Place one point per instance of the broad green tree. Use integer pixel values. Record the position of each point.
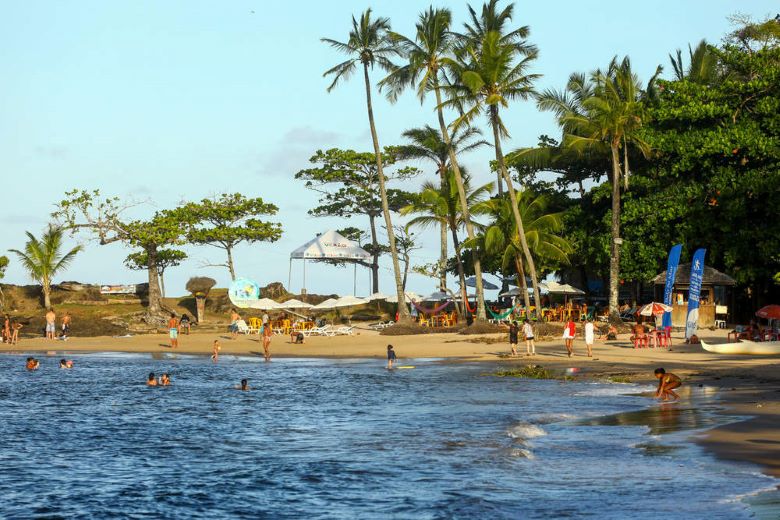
(348, 184)
(426, 143)
(427, 54)
(369, 45)
(43, 258)
(490, 74)
(229, 220)
(139, 261)
(103, 218)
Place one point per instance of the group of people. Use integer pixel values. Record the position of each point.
(569, 333)
(176, 325)
(266, 330)
(11, 328)
(34, 364)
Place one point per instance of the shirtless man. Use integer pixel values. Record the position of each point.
(51, 323)
(234, 317)
(173, 330)
(667, 382)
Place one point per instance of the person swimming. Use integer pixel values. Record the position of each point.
(244, 385)
(32, 364)
(151, 380)
(165, 380)
(66, 363)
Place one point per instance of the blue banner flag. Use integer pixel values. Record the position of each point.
(697, 273)
(671, 273)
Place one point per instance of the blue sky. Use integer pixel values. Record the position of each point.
(180, 100)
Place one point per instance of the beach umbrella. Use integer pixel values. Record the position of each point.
(513, 292)
(562, 288)
(295, 304)
(409, 297)
(263, 304)
(349, 301)
(471, 281)
(437, 296)
(377, 296)
(770, 312)
(325, 305)
(654, 309)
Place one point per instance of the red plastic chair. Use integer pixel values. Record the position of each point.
(641, 342)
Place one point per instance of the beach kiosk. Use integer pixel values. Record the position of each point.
(715, 295)
(330, 245)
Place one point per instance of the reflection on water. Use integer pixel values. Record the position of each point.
(341, 439)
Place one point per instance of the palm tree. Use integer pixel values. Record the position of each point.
(43, 260)
(542, 230)
(491, 74)
(440, 205)
(702, 65)
(426, 54)
(603, 112)
(427, 143)
(369, 44)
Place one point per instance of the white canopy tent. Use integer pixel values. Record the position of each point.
(328, 246)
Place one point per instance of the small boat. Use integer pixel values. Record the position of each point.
(744, 347)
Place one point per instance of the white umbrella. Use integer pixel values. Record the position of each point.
(349, 301)
(512, 292)
(562, 288)
(263, 304)
(377, 296)
(437, 296)
(472, 282)
(409, 297)
(295, 304)
(327, 304)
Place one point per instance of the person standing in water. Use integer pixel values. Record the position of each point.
(267, 332)
(569, 331)
(215, 351)
(390, 356)
(513, 332)
(173, 330)
(244, 385)
(151, 380)
(528, 332)
(51, 323)
(590, 334)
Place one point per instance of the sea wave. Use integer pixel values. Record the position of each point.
(525, 431)
(614, 390)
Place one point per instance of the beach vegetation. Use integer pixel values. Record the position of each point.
(527, 372)
(139, 261)
(43, 258)
(3, 266)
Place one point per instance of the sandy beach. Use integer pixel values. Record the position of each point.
(749, 386)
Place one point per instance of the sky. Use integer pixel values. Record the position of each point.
(162, 102)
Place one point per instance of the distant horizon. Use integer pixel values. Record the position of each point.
(184, 100)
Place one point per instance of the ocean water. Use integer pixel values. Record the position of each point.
(347, 439)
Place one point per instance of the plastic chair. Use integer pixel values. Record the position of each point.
(641, 342)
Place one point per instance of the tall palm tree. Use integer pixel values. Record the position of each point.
(491, 74)
(43, 260)
(702, 64)
(440, 204)
(603, 112)
(427, 143)
(426, 54)
(369, 44)
(542, 232)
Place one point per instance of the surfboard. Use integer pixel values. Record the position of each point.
(765, 348)
(405, 366)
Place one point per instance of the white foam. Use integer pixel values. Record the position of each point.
(615, 390)
(548, 418)
(525, 431)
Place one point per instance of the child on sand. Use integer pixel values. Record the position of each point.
(297, 337)
(589, 336)
(667, 382)
(215, 351)
(151, 380)
(513, 330)
(390, 356)
(32, 364)
(173, 330)
(267, 332)
(528, 332)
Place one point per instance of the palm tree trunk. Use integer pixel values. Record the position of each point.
(155, 298)
(523, 284)
(459, 263)
(614, 261)
(443, 235)
(625, 164)
(374, 255)
(230, 265)
(481, 315)
(403, 310)
(46, 287)
(515, 210)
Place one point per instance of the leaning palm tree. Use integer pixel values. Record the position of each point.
(542, 232)
(603, 112)
(369, 44)
(43, 259)
(427, 143)
(488, 76)
(426, 55)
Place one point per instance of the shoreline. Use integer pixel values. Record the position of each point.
(749, 387)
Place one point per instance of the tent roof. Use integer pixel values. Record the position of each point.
(683, 277)
(331, 245)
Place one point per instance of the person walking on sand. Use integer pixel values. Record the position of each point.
(528, 332)
(215, 351)
(173, 330)
(667, 382)
(51, 323)
(390, 357)
(65, 333)
(267, 332)
(590, 333)
(184, 324)
(569, 331)
(15, 328)
(513, 331)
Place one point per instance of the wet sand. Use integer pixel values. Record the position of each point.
(749, 385)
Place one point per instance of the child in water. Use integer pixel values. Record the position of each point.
(667, 382)
(390, 356)
(66, 363)
(215, 351)
(244, 385)
(32, 364)
(165, 380)
(151, 380)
